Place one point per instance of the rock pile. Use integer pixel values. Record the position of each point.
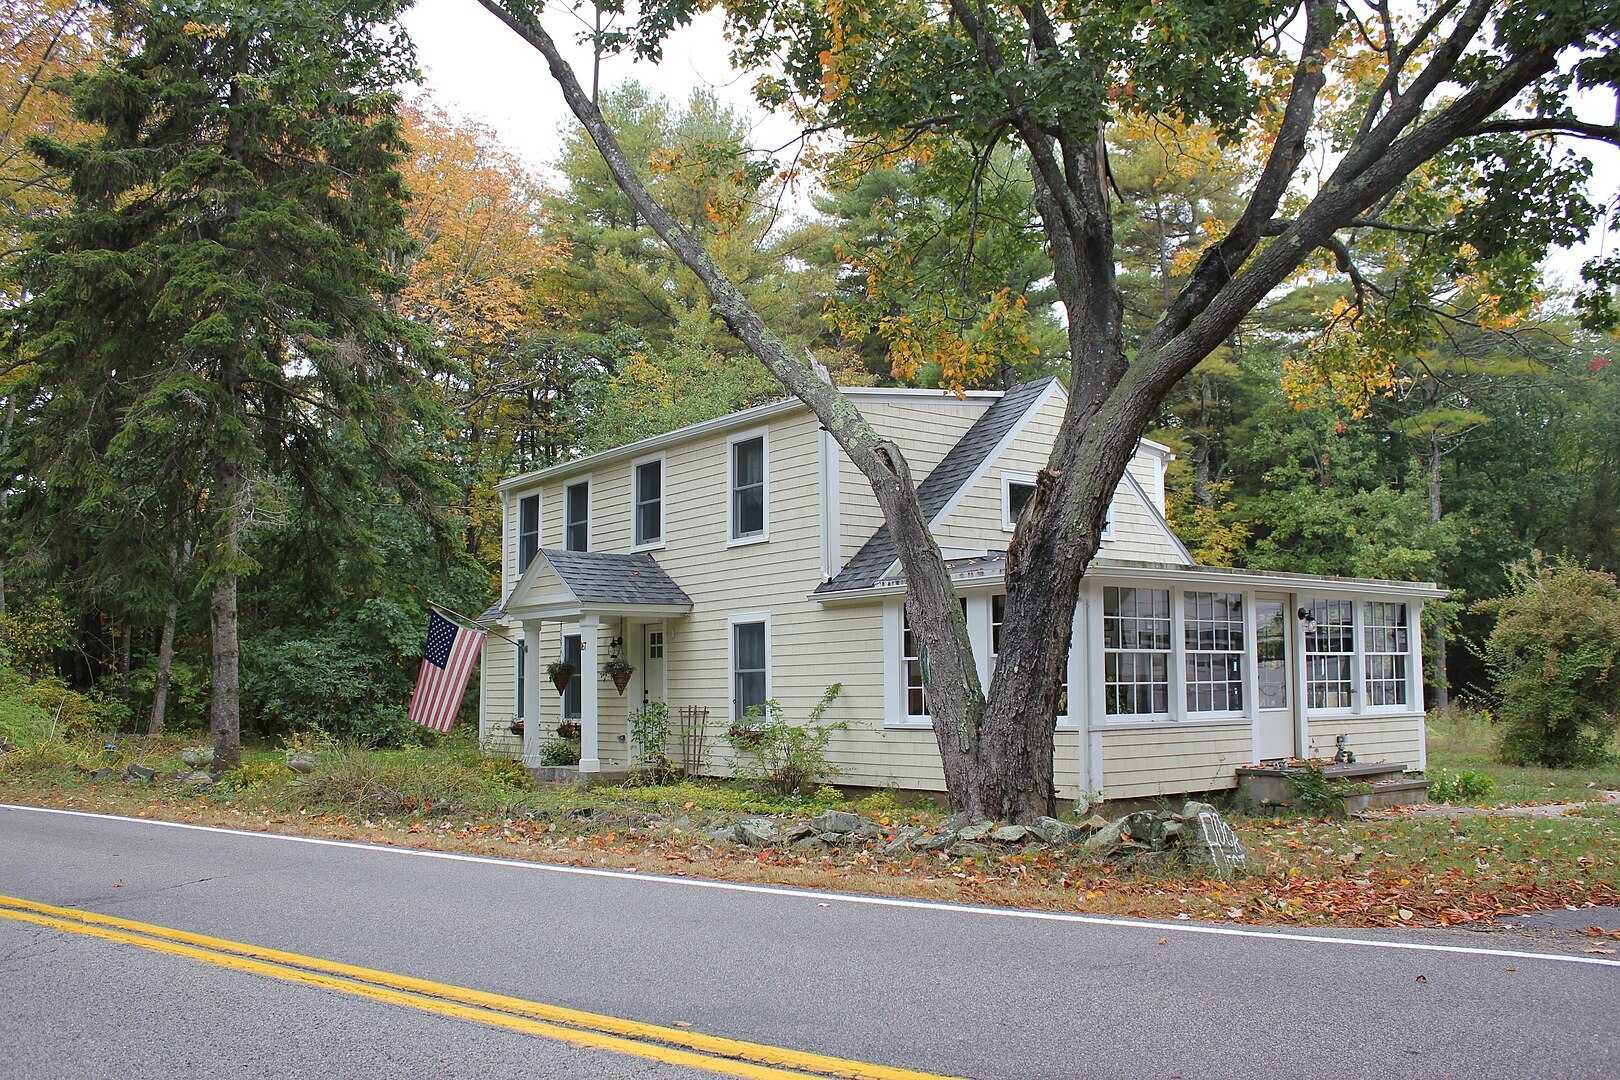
(1144, 832)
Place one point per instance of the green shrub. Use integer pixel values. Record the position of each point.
(649, 727)
(784, 757)
(1554, 662)
(1460, 786)
(31, 635)
(557, 752)
(413, 780)
(1318, 794)
(35, 710)
(353, 678)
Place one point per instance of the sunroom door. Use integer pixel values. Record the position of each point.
(1273, 692)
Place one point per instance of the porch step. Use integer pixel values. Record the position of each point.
(570, 776)
(1267, 784)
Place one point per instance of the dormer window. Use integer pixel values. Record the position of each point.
(577, 516)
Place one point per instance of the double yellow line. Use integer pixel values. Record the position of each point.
(673, 1046)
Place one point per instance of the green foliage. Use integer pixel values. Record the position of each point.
(350, 678)
(1464, 785)
(560, 752)
(784, 757)
(34, 711)
(415, 780)
(649, 730)
(1316, 793)
(31, 636)
(1554, 660)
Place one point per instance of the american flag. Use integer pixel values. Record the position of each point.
(447, 663)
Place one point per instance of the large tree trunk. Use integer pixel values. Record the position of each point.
(225, 712)
(1437, 648)
(165, 664)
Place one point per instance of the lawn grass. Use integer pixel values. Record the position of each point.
(1464, 739)
(1392, 871)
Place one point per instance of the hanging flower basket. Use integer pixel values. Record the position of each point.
(619, 670)
(561, 674)
(568, 729)
(516, 726)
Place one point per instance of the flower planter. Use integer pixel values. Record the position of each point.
(619, 670)
(561, 675)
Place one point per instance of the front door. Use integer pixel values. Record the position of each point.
(653, 685)
(1276, 729)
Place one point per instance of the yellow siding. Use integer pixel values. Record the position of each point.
(1169, 758)
(1372, 738)
(925, 432)
(976, 520)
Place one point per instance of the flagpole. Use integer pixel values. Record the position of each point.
(459, 618)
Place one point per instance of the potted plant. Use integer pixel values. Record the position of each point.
(619, 670)
(561, 672)
(568, 730)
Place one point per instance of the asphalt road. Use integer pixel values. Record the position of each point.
(962, 992)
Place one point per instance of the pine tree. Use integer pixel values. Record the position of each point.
(213, 316)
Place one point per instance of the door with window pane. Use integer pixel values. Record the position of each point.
(1272, 678)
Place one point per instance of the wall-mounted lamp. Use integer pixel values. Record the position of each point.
(1307, 620)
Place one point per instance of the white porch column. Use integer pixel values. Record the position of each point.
(590, 676)
(531, 693)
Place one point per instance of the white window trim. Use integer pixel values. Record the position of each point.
(1362, 698)
(764, 535)
(539, 529)
(1358, 692)
(1008, 479)
(1245, 656)
(1176, 717)
(590, 516)
(983, 636)
(563, 634)
(635, 503)
(731, 656)
(518, 649)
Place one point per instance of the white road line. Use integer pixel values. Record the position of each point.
(849, 898)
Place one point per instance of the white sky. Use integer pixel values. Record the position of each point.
(477, 68)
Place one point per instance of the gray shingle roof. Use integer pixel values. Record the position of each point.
(597, 577)
(942, 484)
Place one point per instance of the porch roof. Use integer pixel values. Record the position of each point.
(989, 570)
(562, 583)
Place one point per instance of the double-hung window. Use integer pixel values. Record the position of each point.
(914, 659)
(1136, 652)
(1387, 644)
(528, 530)
(1213, 649)
(571, 655)
(1330, 650)
(577, 516)
(750, 667)
(647, 483)
(748, 489)
(998, 609)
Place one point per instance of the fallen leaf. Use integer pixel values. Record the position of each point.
(1163, 941)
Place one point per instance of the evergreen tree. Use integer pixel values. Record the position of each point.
(218, 289)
